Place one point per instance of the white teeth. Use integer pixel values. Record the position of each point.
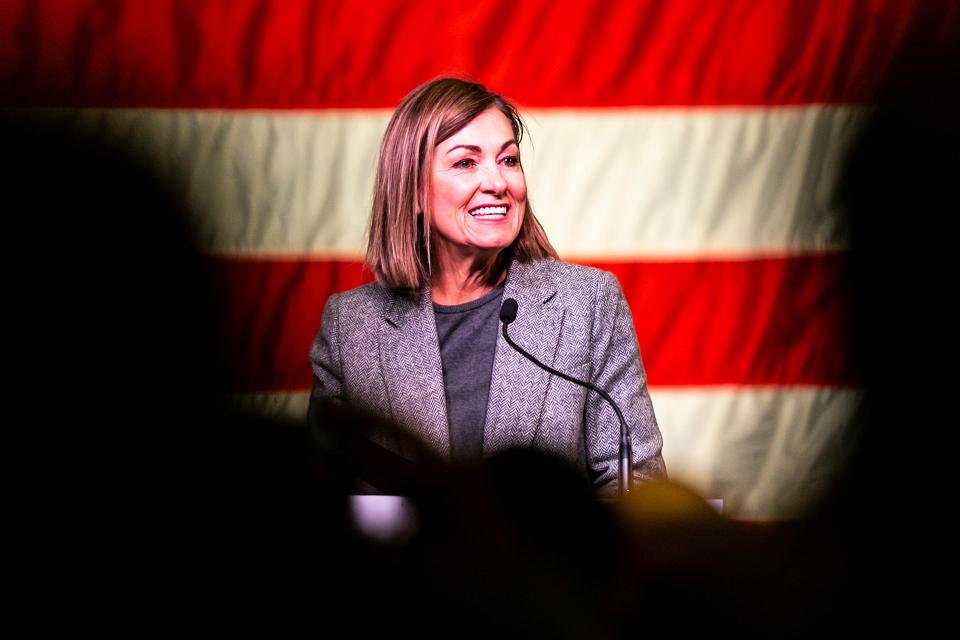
(489, 211)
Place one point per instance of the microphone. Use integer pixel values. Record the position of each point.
(508, 313)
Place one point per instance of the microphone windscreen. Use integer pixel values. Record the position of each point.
(508, 311)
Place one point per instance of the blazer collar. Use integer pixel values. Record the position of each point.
(413, 375)
(518, 388)
(410, 358)
(530, 283)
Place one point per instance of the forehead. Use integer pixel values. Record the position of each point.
(490, 127)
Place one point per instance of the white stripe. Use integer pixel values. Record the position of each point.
(690, 182)
(766, 452)
(605, 183)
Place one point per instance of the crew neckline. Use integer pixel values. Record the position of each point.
(472, 304)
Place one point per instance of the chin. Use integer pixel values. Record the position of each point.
(494, 246)
(497, 241)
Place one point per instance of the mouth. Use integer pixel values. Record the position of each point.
(489, 211)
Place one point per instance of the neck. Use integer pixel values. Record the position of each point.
(456, 281)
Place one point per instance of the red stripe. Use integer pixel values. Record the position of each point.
(770, 321)
(777, 321)
(546, 53)
(271, 311)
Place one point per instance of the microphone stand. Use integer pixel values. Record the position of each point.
(508, 313)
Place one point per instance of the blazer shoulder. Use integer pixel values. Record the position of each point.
(367, 301)
(578, 281)
(579, 273)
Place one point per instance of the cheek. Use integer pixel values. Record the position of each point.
(447, 194)
(518, 187)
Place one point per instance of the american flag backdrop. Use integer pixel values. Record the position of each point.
(691, 147)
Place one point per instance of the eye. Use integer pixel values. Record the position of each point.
(466, 163)
(511, 161)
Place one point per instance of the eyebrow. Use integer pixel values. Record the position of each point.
(476, 149)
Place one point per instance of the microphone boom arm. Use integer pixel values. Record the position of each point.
(625, 480)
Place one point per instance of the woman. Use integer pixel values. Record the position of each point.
(452, 235)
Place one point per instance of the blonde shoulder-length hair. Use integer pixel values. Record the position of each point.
(398, 246)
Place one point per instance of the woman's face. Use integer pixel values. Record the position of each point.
(478, 191)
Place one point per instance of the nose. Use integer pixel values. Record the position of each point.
(493, 181)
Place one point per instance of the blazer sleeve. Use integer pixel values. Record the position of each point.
(326, 362)
(617, 368)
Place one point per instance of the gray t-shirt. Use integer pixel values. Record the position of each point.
(468, 342)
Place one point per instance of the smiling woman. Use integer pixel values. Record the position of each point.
(452, 233)
(477, 206)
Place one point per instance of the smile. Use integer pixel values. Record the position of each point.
(491, 211)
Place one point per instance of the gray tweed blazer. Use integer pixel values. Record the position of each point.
(378, 351)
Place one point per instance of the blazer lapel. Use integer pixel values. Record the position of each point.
(518, 388)
(410, 357)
